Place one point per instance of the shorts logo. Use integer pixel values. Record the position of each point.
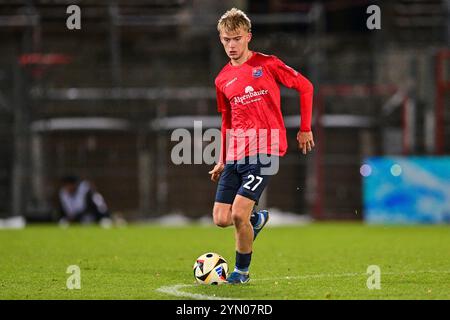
(257, 72)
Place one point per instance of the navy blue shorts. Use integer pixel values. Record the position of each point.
(247, 177)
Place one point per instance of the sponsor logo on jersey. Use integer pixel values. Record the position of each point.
(250, 93)
(257, 72)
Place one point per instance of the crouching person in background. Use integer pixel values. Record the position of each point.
(80, 202)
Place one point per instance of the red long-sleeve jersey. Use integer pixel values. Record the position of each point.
(248, 96)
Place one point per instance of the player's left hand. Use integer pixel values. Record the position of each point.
(305, 141)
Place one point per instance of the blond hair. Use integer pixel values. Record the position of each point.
(234, 19)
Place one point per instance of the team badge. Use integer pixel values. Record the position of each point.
(257, 72)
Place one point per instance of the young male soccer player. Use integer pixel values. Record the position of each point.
(248, 96)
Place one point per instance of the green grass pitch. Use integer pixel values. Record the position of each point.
(322, 261)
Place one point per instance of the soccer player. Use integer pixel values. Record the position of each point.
(253, 131)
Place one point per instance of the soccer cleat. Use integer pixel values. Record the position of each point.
(263, 218)
(238, 278)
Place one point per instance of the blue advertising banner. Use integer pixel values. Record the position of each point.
(406, 189)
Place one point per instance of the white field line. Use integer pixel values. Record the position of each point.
(175, 290)
(324, 275)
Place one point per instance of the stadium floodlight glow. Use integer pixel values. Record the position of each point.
(396, 170)
(365, 170)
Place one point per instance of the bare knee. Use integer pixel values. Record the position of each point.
(223, 224)
(239, 218)
(222, 216)
(241, 210)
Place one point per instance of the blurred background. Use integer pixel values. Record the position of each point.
(102, 102)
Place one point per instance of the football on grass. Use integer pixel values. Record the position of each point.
(210, 268)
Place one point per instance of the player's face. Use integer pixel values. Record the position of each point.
(235, 43)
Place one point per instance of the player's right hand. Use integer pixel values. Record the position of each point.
(305, 141)
(215, 173)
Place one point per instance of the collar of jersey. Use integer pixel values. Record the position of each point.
(248, 60)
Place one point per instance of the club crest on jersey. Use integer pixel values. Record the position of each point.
(257, 72)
